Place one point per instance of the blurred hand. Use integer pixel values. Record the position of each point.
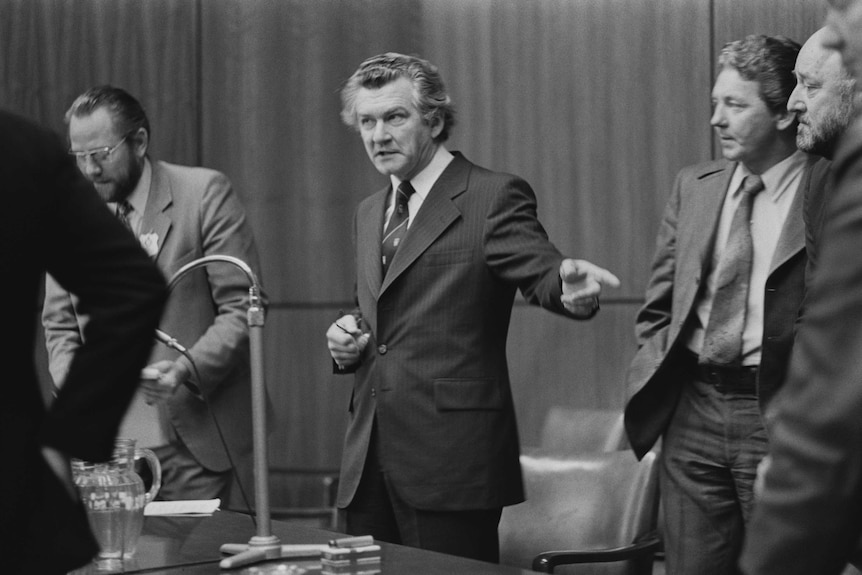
(582, 284)
(346, 341)
(160, 380)
(760, 478)
(58, 462)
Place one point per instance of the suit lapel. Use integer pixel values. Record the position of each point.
(792, 238)
(369, 235)
(156, 219)
(701, 215)
(700, 210)
(436, 214)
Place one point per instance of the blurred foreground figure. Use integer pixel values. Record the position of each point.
(808, 518)
(55, 222)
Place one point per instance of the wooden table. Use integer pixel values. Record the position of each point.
(190, 545)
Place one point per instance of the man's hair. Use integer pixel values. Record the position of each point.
(429, 94)
(767, 60)
(125, 109)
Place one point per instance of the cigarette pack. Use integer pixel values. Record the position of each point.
(354, 560)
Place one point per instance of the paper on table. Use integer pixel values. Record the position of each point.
(182, 507)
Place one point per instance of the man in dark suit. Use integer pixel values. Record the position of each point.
(178, 214)
(431, 450)
(55, 222)
(823, 103)
(808, 518)
(716, 329)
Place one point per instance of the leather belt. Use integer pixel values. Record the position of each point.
(725, 379)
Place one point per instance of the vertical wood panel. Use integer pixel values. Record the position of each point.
(273, 71)
(311, 402)
(596, 103)
(556, 361)
(796, 19)
(55, 49)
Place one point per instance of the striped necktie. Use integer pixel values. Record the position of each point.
(124, 208)
(397, 227)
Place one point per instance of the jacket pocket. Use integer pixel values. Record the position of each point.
(458, 394)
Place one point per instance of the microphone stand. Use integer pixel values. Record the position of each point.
(264, 545)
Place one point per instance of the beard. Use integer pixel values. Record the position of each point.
(820, 138)
(122, 183)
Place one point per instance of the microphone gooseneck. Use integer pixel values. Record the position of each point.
(264, 544)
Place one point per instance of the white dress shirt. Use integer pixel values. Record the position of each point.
(421, 182)
(138, 199)
(769, 212)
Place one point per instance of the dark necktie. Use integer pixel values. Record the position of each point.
(722, 342)
(124, 208)
(397, 227)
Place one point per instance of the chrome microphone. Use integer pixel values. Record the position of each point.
(175, 345)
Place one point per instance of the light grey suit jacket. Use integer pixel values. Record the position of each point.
(680, 266)
(193, 212)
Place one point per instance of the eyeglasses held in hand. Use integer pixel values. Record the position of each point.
(98, 155)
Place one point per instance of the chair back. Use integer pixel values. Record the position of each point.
(574, 430)
(582, 502)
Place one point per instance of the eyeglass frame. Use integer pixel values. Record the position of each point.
(81, 157)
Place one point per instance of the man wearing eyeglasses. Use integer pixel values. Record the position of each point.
(178, 214)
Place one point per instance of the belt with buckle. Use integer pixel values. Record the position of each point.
(742, 379)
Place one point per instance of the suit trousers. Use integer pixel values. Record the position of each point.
(709, 459)
(183, 477)
(377, 510)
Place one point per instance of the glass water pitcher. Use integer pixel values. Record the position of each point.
(114, 496)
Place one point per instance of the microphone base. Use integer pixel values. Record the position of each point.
(266, 549)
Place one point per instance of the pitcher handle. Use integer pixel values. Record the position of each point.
(155, 471)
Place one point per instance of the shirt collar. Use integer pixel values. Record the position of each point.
(777, 179)
(424, 180)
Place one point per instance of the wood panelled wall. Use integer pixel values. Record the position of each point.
(597, 103)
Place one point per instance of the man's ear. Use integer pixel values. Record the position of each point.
(785, 119)
(436, 126)
(140, 142)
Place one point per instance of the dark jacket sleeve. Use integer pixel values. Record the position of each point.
(809, 515)
(90, 254)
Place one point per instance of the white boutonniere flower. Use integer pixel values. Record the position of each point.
(150, 243)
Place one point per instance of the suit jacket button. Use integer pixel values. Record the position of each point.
(373, 392)
(381, 349)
